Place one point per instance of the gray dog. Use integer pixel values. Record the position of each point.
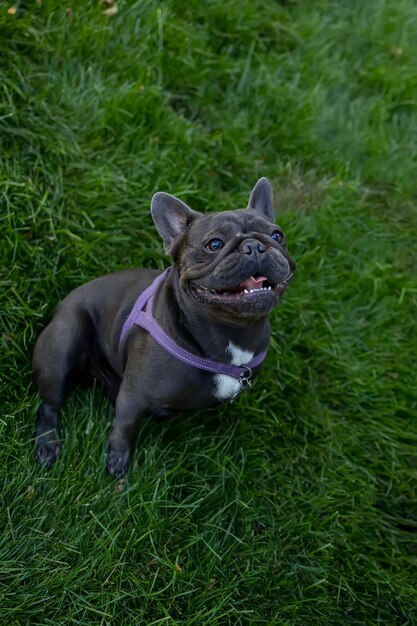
(186, 338)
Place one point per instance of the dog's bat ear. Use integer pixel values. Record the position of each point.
(261, 199)
(171, 217)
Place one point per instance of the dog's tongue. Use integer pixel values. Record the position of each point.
(252, 282)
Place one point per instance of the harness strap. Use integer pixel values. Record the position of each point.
(145, 320)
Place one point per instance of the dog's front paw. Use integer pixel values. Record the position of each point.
(47, 448)
(118, 462)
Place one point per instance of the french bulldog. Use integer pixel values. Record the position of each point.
(229, 270)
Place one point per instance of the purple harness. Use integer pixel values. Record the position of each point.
(141, 315)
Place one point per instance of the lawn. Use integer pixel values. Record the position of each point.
(296, 504)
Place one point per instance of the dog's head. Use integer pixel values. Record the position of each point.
(233, 263)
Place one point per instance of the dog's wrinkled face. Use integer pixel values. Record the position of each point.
(236, 260)
(233, 263)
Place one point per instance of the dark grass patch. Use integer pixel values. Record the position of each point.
(296, 504)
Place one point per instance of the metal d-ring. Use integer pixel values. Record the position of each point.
(245, 378)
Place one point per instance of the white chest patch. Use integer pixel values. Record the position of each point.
(227, 387)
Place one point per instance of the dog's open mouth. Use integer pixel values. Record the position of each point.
(256, 287)
(250, 285)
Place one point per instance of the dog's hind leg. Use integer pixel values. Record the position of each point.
(59, 353)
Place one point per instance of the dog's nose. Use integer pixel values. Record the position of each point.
(252, 246)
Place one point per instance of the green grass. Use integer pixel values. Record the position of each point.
(297, 503)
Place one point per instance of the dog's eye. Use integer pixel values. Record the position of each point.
(277, 236)
(214, 245)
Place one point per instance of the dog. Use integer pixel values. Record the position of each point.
(187, 338)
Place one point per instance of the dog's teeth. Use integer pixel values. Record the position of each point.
(257, 289)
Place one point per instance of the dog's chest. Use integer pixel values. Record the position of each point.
(227, 387)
